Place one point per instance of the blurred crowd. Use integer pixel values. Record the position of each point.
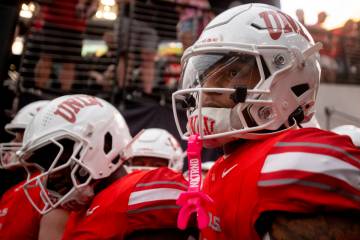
(341, 47)
(108, 46)
(133, 48)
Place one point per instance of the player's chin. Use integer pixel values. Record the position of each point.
(73, 205)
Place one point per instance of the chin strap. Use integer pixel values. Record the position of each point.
(194, 199)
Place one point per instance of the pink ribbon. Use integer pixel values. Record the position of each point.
(194, 199)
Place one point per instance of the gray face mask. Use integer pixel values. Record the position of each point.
(225, 121)
(215, 120)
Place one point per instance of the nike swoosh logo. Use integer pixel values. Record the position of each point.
(226, 172)
(91, 210)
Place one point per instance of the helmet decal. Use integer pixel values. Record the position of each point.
(208, 123)
(71, 106)
(284, 24)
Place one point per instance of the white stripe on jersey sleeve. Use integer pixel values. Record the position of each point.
(315, 163)
(154, 195)
(318, 145)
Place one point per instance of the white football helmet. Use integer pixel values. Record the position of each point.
(24, 116)
(350, 130)
(74, 140)
(265, 64)
(155, 143)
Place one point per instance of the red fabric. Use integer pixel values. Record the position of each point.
(159, 213)
(63, 14)
(113, 218)
(18, 219)
(309, 176)
(239, 198)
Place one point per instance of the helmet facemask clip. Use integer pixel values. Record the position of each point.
(240, 94)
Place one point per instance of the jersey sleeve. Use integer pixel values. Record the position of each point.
(152, 203)
(18, 218)
(311, 170)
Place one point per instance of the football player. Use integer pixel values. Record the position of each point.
(154, 148)
(78, 141)
(18, 219)
(248, 84)
(8, 160)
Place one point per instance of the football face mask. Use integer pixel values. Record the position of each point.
(64, 179)
(230, 95)
(215, 88)
(8, 158)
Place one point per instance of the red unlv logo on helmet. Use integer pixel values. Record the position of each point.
(70, 107)
(284, 24)
(208, 125)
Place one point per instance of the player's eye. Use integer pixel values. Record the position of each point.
(233, 73)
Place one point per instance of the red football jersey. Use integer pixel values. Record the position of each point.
(305, 170)
(18, 218)
(138, 201)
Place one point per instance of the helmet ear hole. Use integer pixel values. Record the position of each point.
(107, 143)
